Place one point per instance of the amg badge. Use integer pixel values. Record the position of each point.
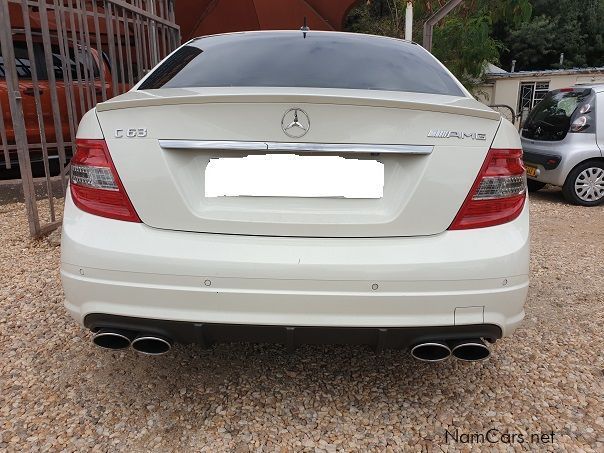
(457, 134)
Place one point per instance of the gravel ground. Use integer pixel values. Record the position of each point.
(58, 392)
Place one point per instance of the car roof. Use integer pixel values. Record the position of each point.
(598, 87)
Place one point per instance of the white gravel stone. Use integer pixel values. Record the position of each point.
(58, 392)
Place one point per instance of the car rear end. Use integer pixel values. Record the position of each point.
(439, 257)
(560, 134)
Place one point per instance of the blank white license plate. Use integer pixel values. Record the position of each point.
(287, 175)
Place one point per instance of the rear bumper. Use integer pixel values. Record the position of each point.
(547, 161)
(457, 278)
(555, 160)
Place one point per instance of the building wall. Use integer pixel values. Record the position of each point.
(506, 90)
(484, 93)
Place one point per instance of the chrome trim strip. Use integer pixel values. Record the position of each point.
(228, 145)
(213, 144)
(350, 148)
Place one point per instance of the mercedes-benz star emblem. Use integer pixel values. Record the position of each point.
(295, 123)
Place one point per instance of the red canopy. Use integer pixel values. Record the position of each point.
(206, 17)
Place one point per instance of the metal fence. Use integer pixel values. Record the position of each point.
(506, 111)
(58, 58)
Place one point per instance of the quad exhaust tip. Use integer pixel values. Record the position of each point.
(469, 350)
(151, 345)
(472, 350)
(112, 339)
(434, 351)
(116, 339)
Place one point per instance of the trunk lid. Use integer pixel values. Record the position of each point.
(431, 147)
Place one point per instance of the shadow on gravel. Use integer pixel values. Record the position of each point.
(11, 191)
(344, 373)
(550, 193)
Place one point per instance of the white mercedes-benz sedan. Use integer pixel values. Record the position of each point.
(297, 187)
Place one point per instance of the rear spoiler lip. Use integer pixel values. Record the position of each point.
(411, 101)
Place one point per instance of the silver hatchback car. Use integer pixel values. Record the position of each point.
(563, 143)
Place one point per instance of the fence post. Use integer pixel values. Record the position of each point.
(16, 112)
(50, 59)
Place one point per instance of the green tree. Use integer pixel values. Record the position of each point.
(557, 26)
(462, 41)
(455, 46)
(539, 43)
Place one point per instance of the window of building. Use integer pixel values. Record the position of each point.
(531, 93)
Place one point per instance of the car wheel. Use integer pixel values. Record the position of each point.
(534, 186)
(585, 184)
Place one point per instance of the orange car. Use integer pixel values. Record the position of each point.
(85, 94)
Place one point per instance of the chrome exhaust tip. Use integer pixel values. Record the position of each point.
(433, 351)
(151, 345)
(112, 339)
(472, 350)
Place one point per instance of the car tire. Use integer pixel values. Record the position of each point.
(534, 186)
(584, 185)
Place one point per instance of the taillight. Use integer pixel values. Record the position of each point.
(583, 116)
(95, 185)
(498, 193)
(579, 124)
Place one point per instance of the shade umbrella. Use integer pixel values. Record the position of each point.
(206, 17)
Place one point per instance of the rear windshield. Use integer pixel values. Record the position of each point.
(550, 119)
(319, 60)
